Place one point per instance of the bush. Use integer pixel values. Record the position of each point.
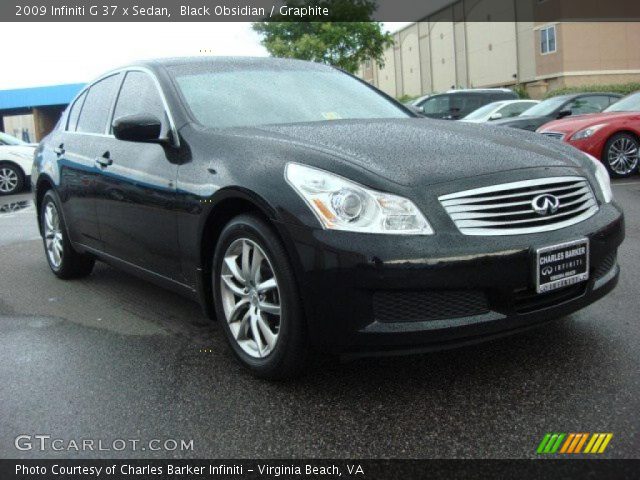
(522, 92)
(623, 89)
(406, 98)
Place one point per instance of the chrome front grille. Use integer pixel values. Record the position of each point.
(556, 135)
(508, 209)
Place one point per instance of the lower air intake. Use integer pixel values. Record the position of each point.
(423, 305)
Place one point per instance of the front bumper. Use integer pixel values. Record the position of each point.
(376, 293)
(592, 146)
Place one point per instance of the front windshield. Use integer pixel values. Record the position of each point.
(630, 103)
(544, 108)
(483, 111)
(6, 139)
(252, 97)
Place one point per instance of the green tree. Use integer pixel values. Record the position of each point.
(344, 44)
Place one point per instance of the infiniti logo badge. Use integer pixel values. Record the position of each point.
(545, 204)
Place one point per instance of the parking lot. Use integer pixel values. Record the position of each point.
(112, 357)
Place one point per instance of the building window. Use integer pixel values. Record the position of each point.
(548, 39)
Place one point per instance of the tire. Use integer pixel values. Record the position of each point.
(11, 179)
(620, 155)
(68, 263)
(238, 294)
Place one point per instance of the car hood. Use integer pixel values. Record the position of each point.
(528, 122)
(20, 150)
(579, 122)
(423, 151)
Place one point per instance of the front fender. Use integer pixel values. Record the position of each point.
(25, 163)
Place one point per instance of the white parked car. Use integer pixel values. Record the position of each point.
(499, 110)
(417, 101)
(16, 158)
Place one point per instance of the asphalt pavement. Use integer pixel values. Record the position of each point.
(112, 357)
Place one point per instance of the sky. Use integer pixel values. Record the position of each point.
(52, 56)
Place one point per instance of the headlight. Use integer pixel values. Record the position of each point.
(602, 176)
(340, 204)
(586, 132)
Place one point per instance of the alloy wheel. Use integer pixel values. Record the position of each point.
(623, 156)
(53, 235)
(250, 297)
(8, 180)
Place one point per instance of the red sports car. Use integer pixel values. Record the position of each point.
(613, 135)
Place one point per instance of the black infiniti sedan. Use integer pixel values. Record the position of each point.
(559, 107)
(305, 209)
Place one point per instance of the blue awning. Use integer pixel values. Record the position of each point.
(38, 96)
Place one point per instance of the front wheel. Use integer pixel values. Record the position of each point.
(11, 179)
(257, 300)
(63, 260)
(620, 155)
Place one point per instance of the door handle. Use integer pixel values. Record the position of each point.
(105, 160)
(59, 150)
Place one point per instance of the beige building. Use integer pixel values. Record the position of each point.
(447, 50)
(21, 126)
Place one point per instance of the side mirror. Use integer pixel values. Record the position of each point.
(496, 116)
(137, 128)
(417, 110)
(564, 113)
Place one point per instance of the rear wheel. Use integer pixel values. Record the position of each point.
(63, 260)
(11, 179)
(257, 301)
(620, 155)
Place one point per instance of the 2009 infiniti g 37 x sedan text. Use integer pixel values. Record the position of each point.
(303, 208)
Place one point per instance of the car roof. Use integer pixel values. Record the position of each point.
(421, 98)
(508, 101)
(569, 96)
(508, 94)
(224, 63)
(479, 90)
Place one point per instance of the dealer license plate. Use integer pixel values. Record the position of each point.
(562, 265)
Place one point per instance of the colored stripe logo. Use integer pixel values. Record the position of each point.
(574, 443)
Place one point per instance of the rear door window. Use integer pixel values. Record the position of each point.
(592, 104)
(97, 105)
(514, 109)
(74, 113)
(504, 96)
(463, 104)
(601, 101)
(436, 105)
